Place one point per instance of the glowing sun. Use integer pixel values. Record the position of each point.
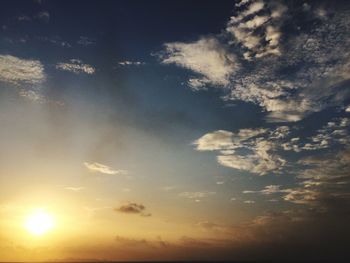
(39, 222)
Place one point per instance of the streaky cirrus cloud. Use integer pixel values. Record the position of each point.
(76, 66)
(104, 169)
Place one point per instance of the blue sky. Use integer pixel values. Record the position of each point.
(209, 124)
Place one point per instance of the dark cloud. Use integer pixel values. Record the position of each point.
(133, 208)
(294, 234)
(132, 242)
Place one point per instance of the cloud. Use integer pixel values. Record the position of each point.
(208, 225)
(256, 29)
(130, 63)
(76, 66)
(17, 70)
(321, 181)
(56, 40)
(334, 133)
(301, 196)
(196, 195)
(217, 140)
(132, 242)
(86, 41)
(168, 188)
(74, 188)
(268, 190)
(253, 150)
(215, 68)
(44, 15)
(33, 95)
(23, 18)
(290, 73)
(104, 169)
(133, 208)
(225, 140)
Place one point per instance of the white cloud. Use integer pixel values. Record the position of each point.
(238, 162)
(215, 67)
(104, 169)
(255, 30)
(130, 63)
(301, 196)
(334, 132)
(225, 140)
(260, 156)
(242, 2)
(76, 66)
(269, 190)
(243, 28)
(74, 188)
(217, 140)
(196, 195)
(16, 70)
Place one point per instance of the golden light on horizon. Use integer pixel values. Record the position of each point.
(39, 222)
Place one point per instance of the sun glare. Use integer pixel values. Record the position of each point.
(39, 222)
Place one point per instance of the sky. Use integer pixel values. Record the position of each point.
(175, 130)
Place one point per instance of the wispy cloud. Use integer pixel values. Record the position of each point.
(42, 15)
(74, 188)
(55, 40)
(76, 66)
(215, 68)
(130, 63)
(196, 196)
(104, 169)
(86, 41)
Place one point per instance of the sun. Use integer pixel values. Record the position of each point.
(39, 222)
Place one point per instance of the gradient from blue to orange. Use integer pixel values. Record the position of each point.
(153, 130)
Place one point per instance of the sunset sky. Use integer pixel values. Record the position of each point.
(174, 130)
